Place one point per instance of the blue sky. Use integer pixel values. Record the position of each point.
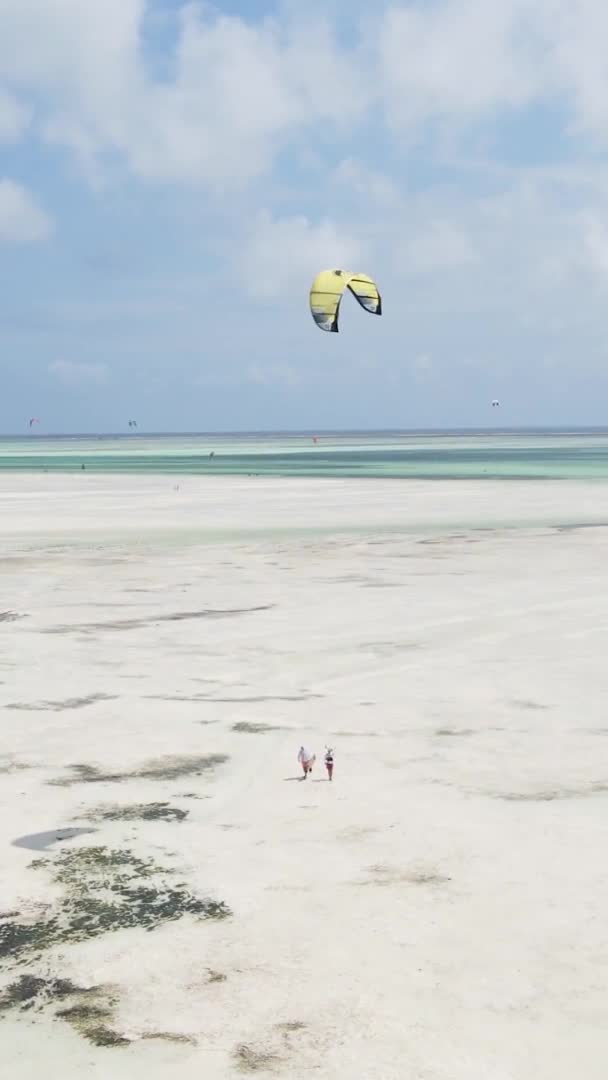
(172, 176)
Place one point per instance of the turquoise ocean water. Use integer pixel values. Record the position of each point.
(523, 454)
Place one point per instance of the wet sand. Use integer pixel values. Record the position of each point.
(176, 900)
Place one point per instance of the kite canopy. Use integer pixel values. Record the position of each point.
(326, 294)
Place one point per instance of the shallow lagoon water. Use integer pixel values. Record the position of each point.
(540, 454)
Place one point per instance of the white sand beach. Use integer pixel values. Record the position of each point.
(438, 912)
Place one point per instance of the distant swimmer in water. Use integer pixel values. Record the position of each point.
(329, 762)
(306, 760)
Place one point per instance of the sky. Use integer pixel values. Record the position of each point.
(173, 175)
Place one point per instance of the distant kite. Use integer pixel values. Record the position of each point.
(326, 294)
(34, 420)
(495, 404)
(132, 423)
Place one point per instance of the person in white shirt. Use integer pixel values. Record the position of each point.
(306, 760)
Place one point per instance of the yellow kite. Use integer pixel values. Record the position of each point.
(326, 294)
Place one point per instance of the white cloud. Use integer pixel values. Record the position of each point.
(440, 245)
(369, 185)
(79, 374)
(81, 61)
(284, 254)
(458, 58)
(14, 117)
(238, 91)
(462, 60)
(575, 33)
(595, 243)
(22, 221)
(233, 94)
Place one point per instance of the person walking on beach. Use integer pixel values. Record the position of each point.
(329, 762)
(306, 760)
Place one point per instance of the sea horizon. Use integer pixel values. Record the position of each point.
(526, 429)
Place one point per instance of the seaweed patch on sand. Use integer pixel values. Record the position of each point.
(247, 728)
(8, 764)
(104, 890)
(253, 1059)
(60, 706)
(454, 733)
(157, 811)
(168, 768)
(524, 703)
(169, 1036)
(261, 699)
(269, 1055)
(358, 734)
(153, 620)
(90, 1010)
(216, 976)
(176, 697)
(211, 699)
(382, 874)
(598, 787)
